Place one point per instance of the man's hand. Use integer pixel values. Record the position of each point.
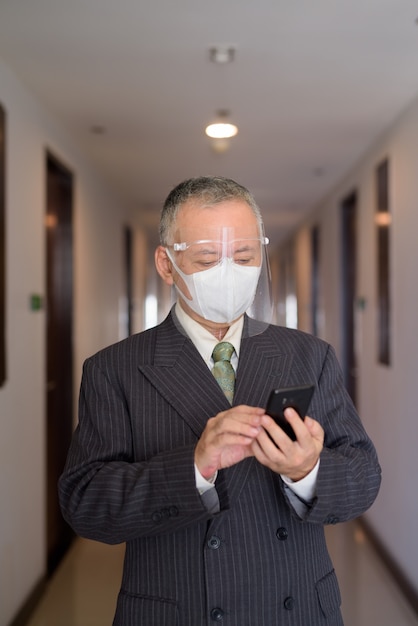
(294, 459)
(228, 438)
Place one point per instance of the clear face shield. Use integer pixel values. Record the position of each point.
(225, 274)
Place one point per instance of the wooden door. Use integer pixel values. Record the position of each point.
(349, 286)
(59, 303)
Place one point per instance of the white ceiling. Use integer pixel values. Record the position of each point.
(313, 84)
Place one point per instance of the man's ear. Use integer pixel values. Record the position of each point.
(164, 265)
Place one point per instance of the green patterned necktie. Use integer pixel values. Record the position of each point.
(223, 370)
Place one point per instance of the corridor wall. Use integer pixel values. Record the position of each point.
(99, 218)
(387, 396)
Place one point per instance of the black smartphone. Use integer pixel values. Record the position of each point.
(297, 398)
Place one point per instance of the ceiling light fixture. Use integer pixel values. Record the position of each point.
(221, 128)
(222, 54)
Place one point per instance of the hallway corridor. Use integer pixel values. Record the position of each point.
(84, 588)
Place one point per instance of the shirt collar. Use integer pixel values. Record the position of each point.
(203, 339)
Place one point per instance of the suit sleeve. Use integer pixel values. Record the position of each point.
(104, 494)
(349, 473)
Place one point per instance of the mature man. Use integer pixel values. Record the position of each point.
(222, 513)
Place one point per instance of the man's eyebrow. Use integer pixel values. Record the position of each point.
(245, 247)
(205, 250)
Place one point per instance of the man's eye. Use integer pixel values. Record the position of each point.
(204, 263)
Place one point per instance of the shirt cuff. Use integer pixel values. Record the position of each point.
(306, 487)
(202, 484)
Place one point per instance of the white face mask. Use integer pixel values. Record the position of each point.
(223, 292)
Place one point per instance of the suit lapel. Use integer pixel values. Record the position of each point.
(263, 366)
(176, 361)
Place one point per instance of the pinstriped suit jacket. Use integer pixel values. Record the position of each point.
(130, 478)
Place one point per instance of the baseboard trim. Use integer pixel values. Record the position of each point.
(29, 606)
(404, 584)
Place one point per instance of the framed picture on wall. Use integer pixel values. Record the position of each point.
(2, 246)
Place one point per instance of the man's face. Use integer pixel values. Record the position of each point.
(207, 234)
(202, 237)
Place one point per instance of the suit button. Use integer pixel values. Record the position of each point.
(289, 603)
(174, 511)
(157, 517)
(214, 542)
(216, 615)
(282, 533)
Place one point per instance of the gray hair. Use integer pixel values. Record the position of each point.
(209, 190)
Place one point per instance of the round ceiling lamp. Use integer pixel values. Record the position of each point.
(221, 128)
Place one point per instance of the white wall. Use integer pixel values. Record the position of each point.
(99, 217)
(386, 395)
